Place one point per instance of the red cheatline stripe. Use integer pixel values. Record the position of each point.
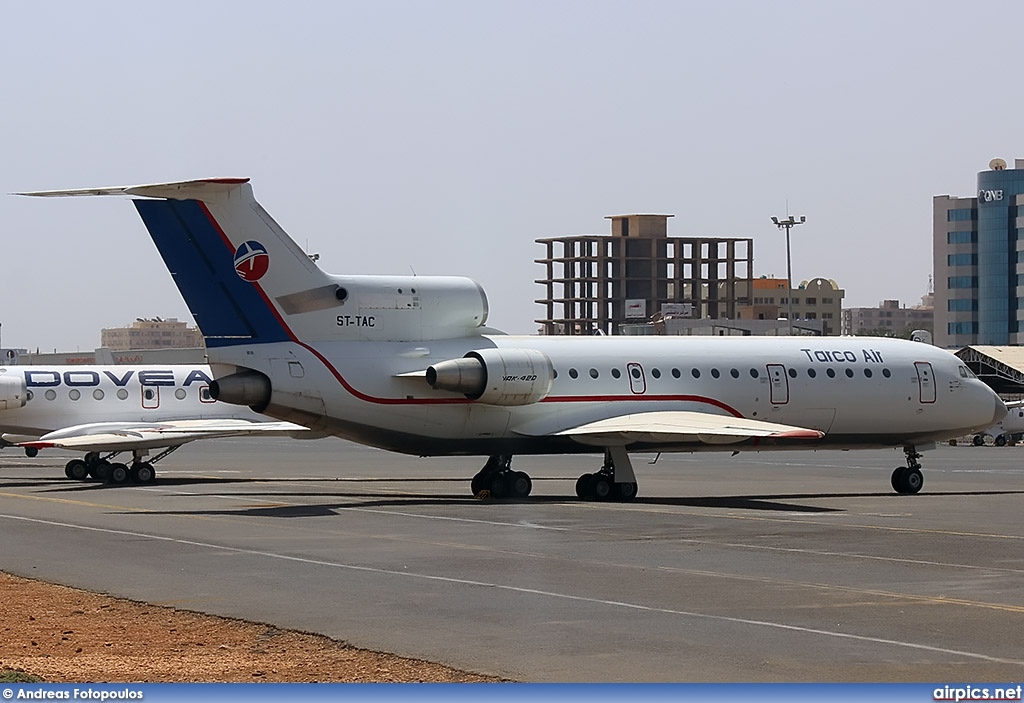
(447, 401)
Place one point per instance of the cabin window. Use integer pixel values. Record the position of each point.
(180, 394)
(616, 373)
(695, 372)
(573, 373)
(50, 394)
(675, 373)
(594, 373)
(735, 373)
(831, 373)
(122, 394)
(656, 373)
(715, 373)
(97, 394)
(204, 394)
(554, 374)
(867, 373)
(849, 373)
(792, 373)
(754, 373)
(812, 373)
(886, 373)
(634, 372)
(74, 394)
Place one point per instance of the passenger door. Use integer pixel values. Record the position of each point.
(780, 384)
(925, 381)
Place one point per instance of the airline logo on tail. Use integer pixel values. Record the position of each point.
(251, 261)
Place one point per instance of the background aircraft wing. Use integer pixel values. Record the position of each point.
(125, 436)
(670, 426)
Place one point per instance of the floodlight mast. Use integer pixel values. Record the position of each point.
(787, 224)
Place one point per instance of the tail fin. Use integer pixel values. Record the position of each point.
(246, 282)
(226, 254)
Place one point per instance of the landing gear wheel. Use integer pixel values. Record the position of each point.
(479, 483)
(100, 470)
(117, 474)
(602, 487)
(1001, 440)
(913, 480)
(907, 480)
(897, 478)
(76, 470)
(519, 484)
(583, 489)
(625, 492)
(142, 472)
(499, 485)
(978, 440)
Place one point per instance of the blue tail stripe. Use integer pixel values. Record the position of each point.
(227, 309)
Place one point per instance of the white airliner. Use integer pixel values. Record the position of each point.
(1010, 425)
(107, 410)
(406, 363)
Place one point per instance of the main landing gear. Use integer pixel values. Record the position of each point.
(101, 468)
(615, 481)
(908, 479)
(498, 479)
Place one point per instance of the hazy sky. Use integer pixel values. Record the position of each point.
(445, 137)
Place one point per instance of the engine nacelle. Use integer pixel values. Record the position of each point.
(496, 376)
(248, 387)
(13, 392)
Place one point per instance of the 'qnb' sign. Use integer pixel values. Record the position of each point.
(990, 196)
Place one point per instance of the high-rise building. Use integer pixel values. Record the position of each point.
(977, 244)
(595, 283)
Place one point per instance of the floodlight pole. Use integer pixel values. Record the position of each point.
(787, 224)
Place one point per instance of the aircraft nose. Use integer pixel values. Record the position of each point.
(1000, 411)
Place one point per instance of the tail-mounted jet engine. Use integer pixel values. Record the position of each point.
(496, 376)
(248, 387)
(13, 392)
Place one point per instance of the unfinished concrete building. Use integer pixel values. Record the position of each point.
(595, 283)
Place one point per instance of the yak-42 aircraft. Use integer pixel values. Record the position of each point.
(406, 363)
(104, 411)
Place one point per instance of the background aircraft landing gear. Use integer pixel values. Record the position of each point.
(615, 481)
(908, 479)
(499, 480)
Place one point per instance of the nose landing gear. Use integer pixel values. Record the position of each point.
(908, 479)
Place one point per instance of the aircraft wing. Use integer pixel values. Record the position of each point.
(126, 436)
(681, 426)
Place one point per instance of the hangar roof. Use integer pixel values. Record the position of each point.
(1000, 367)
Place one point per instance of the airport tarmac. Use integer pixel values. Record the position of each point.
(795, 566)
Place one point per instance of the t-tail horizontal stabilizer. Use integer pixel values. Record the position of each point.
(247, 282)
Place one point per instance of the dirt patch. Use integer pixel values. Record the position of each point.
(67, 635)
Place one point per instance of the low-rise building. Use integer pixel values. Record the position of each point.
(889, 319)
(152, 334)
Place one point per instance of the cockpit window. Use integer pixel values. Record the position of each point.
(966, 373)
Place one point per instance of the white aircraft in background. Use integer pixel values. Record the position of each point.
(1002, 431)
(107, 410)
(405, 363)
